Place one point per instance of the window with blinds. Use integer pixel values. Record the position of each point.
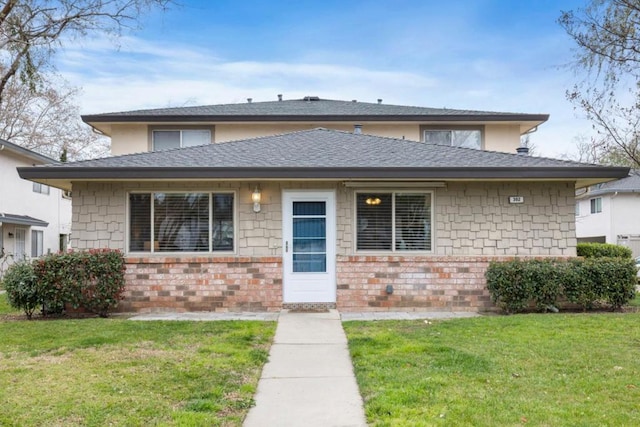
(393, 221)
(181, 222)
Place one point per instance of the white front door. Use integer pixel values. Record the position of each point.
(309, 246)
(20, 244)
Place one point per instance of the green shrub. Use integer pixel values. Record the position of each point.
(515, 285)
(508, 287)
(21, 285)
(92, 280)
(599, 250)
(593, 280)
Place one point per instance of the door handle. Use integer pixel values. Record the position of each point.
(286, 246)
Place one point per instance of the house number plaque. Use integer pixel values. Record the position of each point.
(516, 199)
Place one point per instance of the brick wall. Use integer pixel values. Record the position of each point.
(420, 283)
(203, 284)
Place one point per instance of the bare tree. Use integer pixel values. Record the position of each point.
(46, 119)
(31, 30)
(607, 56)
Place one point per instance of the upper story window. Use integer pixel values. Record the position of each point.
(394, 221)
(467, 138)
(164, 139)
(596, 205)
(40, 188)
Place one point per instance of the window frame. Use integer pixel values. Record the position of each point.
(177, 128)
(152, 250)
(426, 128)
(41, 188)
(393, 194)
(595, 205)
(34, 239)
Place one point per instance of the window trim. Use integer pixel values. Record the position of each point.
(393, 249)
(152, 251)
(38, 188)
(481, 128)
(151, 129)
(595, 206)
(34, 234)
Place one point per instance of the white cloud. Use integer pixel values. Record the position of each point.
(142, 74)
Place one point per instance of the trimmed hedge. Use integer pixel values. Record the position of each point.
(516, 285)
(92, 280)
(20, 283)
(599, 250)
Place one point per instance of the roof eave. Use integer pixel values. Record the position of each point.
(331, 173)
(128, 118)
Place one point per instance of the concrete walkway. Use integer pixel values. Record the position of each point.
(309, 378)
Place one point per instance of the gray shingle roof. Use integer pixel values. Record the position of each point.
(322, 153)
(629, 184)
(301, 109)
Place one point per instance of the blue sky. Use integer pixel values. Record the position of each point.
(499, 55)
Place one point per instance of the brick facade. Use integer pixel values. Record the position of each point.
(203, 284)
(473, 223)
(419, 283)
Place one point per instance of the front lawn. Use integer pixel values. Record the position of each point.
(97, 372)
(540, 370)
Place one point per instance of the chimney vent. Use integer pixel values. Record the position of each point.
(357, 129)
(354, 100)
(523, 150)
(379, 100)
(249, 100)
(312, 98)
(279, 97)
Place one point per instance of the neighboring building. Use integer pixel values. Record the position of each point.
(35, 219)
(391, 214)
(610, 213)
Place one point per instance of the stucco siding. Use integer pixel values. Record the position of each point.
(619, 216)
(134, 137)
(505, 138)
(18, 198)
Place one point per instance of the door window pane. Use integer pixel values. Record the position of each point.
(309, 208)
(309, 263)
(309, 237)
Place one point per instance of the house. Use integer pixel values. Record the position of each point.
(608, 212)
(34, 218)
(316, 203)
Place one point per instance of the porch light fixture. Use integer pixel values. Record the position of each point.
(255, 197)
(373, 201)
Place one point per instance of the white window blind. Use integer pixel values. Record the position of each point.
(394, 221)
(181, 222)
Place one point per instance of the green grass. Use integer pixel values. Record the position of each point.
(539, 370)
(5, 308)
(635, 303)
(97, 372)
